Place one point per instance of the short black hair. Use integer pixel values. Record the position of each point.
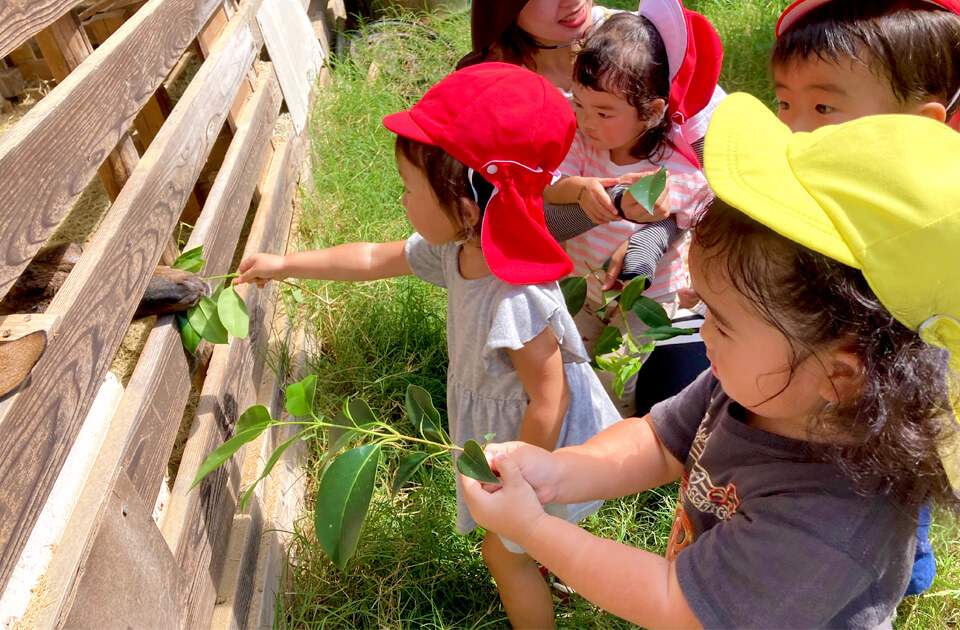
(914, 45)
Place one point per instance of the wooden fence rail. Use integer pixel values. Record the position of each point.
(114, 564)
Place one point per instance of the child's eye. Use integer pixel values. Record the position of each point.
(783, 106)
(824, 109)
(602, 115)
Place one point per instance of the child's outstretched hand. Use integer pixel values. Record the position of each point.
(637, 213)
(510, 509)
(595, 201)
(536, 464)
(261, 268)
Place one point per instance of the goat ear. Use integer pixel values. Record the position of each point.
(18, 357)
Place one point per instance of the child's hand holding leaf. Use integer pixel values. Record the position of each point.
(513, 510)
(261, 268)
(648, 199)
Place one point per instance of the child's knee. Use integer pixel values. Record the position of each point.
(497, 556)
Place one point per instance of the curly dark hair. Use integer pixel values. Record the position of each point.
(911, 44)
(893, 430)
(626, 55)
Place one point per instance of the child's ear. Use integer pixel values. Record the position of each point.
(844, 376)
(469, 212)
(659, 107)
(930, 109)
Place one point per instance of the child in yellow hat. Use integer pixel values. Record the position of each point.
(837, 61)
(830, 274)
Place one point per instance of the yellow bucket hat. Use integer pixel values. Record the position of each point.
(880, 194)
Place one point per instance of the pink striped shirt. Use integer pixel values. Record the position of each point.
(591, 249)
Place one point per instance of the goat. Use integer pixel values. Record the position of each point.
(170, 290)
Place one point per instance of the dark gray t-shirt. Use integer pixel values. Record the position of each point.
(766, 536)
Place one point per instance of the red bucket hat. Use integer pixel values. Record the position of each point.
(801, 7)
(514, 128)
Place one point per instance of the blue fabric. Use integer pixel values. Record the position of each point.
(924, 564)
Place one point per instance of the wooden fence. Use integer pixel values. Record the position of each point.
(113, 565)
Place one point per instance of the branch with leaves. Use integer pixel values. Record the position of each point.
(348, 473)
(627, 299)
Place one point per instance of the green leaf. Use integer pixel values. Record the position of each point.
(662, 333)
(360, 412)
(610, 340)
(343, 499)
(190, 260)
(253, 417)
(225, 452)
(337, 438)
(627, 370)
(408, 466)
(650, 312)
(300, 396)
(269, 467)
(648, 189)
(188, 335)
(424, 415)
(204, 319)
(609, 296)
(233, 313)
(574, 291)
(488, 436)
(632, 291)
(217, 290)
(473, 463)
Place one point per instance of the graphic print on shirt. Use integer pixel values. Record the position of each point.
(697, 488)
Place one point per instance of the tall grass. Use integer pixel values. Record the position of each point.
(412, 570)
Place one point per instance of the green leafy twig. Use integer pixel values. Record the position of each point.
(348, 478)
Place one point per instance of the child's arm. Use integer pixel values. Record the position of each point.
(539, 367)
(637, 585)
(589, 192)
(625, 458)
(350, 261)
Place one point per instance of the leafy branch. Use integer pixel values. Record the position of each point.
(629, 298)
(349, 472)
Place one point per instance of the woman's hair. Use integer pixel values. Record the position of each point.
(892, 431)
(911, 44)
(626, 55)
(447, 176)
(516, 46)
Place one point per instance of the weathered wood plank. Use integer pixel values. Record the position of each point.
(131, 579)
(65, 46)
(47, 159)
(197, 524)
(217, 230)
(16, 326)
(21, 19)
(100, 295)
(144, 428)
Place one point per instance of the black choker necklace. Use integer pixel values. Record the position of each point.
(553, 47)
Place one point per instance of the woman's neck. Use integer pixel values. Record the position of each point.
(556, 65)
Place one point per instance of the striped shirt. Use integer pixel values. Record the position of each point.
(589, 251)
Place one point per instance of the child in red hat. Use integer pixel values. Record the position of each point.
(625, 109)
(837, 61)
(475, 155)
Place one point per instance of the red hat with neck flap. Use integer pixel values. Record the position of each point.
(514, 128)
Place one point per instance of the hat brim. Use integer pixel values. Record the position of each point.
(667, 16)
(800, 8)
(747, 166)
(403, 124)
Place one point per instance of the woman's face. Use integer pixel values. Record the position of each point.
(554, 22)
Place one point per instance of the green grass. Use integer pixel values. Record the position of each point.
(371, 340)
